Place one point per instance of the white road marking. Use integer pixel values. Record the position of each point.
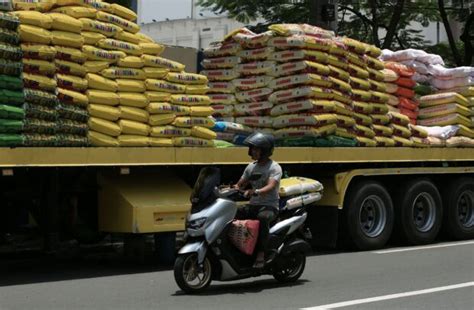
(387, 297)
(444, 245)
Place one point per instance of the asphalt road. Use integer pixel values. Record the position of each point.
(439, 277)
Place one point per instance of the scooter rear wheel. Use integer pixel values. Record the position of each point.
(189, 276)
(289, 268)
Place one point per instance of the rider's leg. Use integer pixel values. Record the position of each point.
(265, 215)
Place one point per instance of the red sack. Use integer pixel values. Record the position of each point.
(244, 234)
(405, 92)
(405, 103)
(400, 69)
(405, 82)
(411, 114)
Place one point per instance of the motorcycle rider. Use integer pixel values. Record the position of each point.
(264, 198)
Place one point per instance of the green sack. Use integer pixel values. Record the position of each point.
(423, 90)
(9, 112)
(10, 52)
(33, 139)
(66, 126)
(11, 126)
(9, 21)
(13, 68)
(12, 97)
(40, 97)
(9, 36)
(73, 113)
(72, 141)
(11, 82)
(221, 144)
(11, 140)
(40, 126)
(40, 112)
(341, 142)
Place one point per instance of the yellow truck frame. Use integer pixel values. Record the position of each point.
(146, 190)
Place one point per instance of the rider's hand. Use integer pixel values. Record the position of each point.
(249, 193)
(235, 186)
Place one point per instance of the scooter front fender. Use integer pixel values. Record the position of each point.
(199, 247)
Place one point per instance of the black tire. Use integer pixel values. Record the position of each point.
(368, 211)
(289, 268)
(419, 212)
(458, 202)
(180, 274)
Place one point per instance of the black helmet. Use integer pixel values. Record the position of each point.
(263, 141)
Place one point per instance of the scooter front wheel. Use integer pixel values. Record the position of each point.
(289, 268)
(191, 277)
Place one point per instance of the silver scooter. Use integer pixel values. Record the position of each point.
(209, 255)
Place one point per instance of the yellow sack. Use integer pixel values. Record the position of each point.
(134, 114)
(400, 131)
(361, 84)
(297, 67)
(154, 96)
(416, 131)
(95, 66)
(343, 109)
(305, 131)
(345, 121)
(192, 142)
(133, 141)
(154, 49)
(190, 100)
(134, 86)
(100, 83)
(300, 92)
(29, 5)
(443, 98)
(465, 131)
(66, 23)
(68, 2)
(221, 87)
(104, 126)
(384, 141)
(304, 120)
(220, 74)
(131, 62)
(204, 133)
(378, 86)
(379, 97)
(321, 106)
(299, 79)
(69, 39)
(155, 73)
(72, 97)
(160, 142)
(104, 111)
(124, 73)
(144, 38)
(33, 34)
(161, 119)
(166, 108)
(71, 82)
(77, 11)
(340, 85)
(338, 61)
(92, 25)
(68, 67)
(197, 89)
(445, 120)
(164, 86)
(41, 67)
(39, 82)
(201, 111)
(444, 109)
(186, 78)
(38, 51)
(356, 59)
(379, 108)
(339, 73)
(380, 119)
(94, 53)
(344, 133)
(34, 18)
(169, 132)
(160, 62)
(366, 142)
(133, 128)
(91, 38)
(118, 21)
(133, 100)
(189, 122)
(112, 44)
(362, 119)
(362, 107)
(357, 71)
(121, 11)
(361, 95)
(384, 131)
(97, 4)
(102, 97)
(400, 141)
(376, 75)
(253, 95)
(98, 139)
(354, 45)
(127, 37)
(399, 119)
(374, 63)
(70, 54)
(420, 142)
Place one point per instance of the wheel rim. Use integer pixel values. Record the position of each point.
(465, 206)
(372, 216)
(194, 276)
(292, 266)
(424, 212)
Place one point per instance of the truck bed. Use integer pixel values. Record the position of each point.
(139, 156)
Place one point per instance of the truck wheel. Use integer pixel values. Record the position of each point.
(419, 212)
(369, 215)
(189, 276)
(458, 201)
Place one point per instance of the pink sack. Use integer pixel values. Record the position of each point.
(244, 234)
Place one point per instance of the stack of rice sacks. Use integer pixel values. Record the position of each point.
(298, 191)
(302, 95)
(41, 102)
(11, 85)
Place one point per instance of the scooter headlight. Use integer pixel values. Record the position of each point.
(197, 223)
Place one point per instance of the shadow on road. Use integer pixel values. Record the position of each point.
(243, 287)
